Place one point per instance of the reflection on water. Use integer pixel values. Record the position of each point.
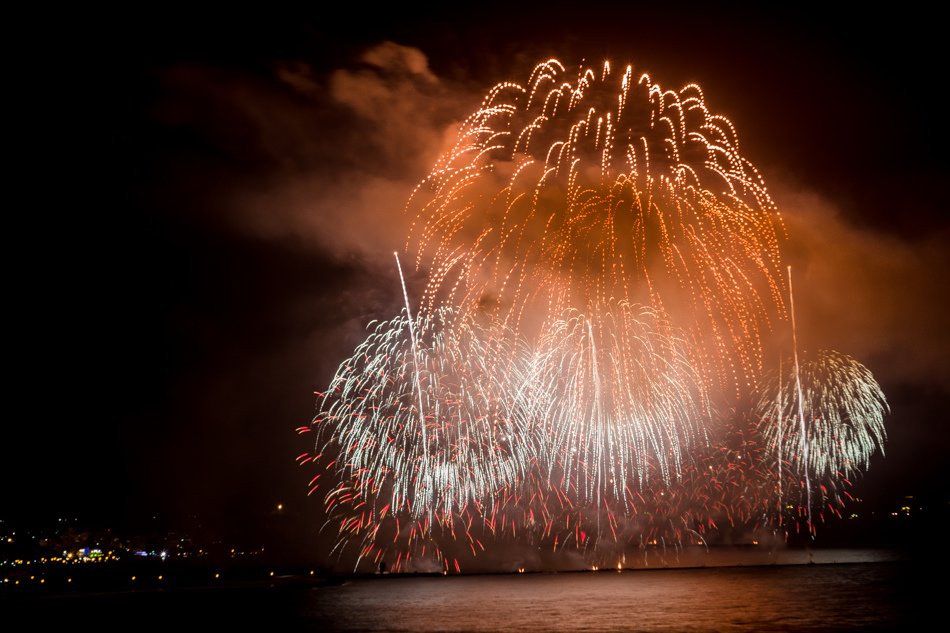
(802, 598)
(820, 597)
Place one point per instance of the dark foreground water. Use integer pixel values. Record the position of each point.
(882, 596)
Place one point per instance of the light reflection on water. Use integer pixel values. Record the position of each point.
(902, 595)
(800, 598)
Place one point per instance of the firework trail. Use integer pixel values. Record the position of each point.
(561, 195)
(843, 407)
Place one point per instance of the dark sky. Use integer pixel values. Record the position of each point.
(213, 203)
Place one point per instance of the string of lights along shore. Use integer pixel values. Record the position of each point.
(584, 371)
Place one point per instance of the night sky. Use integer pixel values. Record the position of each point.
(213, 202)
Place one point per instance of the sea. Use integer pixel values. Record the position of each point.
(821, 596)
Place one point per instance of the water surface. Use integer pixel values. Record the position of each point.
(822, 597)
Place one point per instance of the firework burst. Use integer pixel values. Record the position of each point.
(843, 407)
(602, 263)
(561, 195)
(461, 447)
(618, 401)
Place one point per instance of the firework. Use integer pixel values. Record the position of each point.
(618, 401)
(460, 447)
(843, 408)
(602, 263)
(562, 195)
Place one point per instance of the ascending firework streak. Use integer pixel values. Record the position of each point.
(843, 409)
(558, 196)
(415, 364)
(798, 388)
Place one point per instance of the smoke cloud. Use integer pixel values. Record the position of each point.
(868, 294)
(331, 159)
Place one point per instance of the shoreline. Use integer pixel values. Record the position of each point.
(132, 578)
